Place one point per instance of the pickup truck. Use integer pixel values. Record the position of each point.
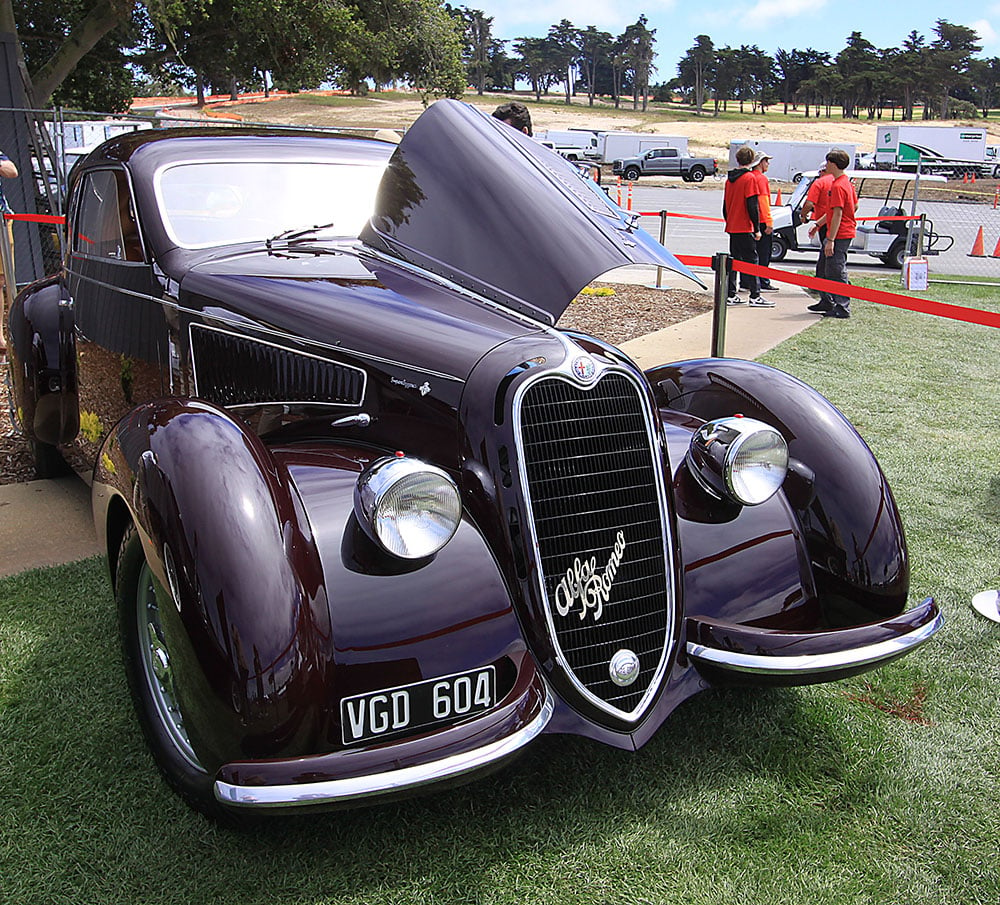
(665, 162)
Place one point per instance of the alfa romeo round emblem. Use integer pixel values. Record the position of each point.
(584, 368)
(624, 667)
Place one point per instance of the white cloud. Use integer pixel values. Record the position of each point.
(764, 12)
(534, 17)
(987, 34)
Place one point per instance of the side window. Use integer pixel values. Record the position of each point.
(105, 222)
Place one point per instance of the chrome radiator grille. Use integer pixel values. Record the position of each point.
(589, 463)
(237, 370)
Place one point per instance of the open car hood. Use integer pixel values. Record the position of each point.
(470, 199)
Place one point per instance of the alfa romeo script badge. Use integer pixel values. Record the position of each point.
(624, 667)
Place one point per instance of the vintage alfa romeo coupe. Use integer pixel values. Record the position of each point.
(372, 521)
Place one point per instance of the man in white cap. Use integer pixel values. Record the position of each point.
(759, 168)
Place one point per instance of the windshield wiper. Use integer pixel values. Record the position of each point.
(291, 236)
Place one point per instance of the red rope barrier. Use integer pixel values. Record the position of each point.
(720, 220)
(36, 218)
(892, 299)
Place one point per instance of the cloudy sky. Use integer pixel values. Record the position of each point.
(770, 24)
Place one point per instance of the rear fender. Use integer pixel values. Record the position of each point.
(43, 363)
(850, 524)
(244, 608)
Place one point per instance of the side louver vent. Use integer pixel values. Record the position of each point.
(236, 370)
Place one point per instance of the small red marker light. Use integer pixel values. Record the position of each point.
(399, 454)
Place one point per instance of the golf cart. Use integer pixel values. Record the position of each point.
(889, 240)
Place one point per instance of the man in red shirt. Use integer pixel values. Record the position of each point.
(841, 227)
(759, 169)
(742, 215)
(817, 197)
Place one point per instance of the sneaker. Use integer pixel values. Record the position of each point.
(769, 288)
(819, 307)
(735, 300)
(758, 302)
(837, 312)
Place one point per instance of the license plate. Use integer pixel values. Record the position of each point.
(364, 717)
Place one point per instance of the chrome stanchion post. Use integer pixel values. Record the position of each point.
(663, 241)
(721, 264)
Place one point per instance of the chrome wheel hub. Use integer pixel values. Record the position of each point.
(157, 668)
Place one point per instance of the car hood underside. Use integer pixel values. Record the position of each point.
(473, 200)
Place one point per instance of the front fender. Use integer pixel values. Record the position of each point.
(282, 606)
(224, 537)
(850, 523)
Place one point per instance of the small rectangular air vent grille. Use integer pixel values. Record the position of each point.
(236, 370)
(593, 484)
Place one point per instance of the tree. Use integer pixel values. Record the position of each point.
(536, 64)
(477, 43)
(52, 39)
(595, 49)
(857, 64)
(985, 76)
(563, 50)
(725, 77)
(637, 44)
(948, 59)
(695, 68)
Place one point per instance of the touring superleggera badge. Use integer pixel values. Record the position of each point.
(584, 368)
(584, 586)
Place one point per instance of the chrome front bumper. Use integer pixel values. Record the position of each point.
(403, 779)
(801, 658)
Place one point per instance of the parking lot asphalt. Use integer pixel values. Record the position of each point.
(47, 523)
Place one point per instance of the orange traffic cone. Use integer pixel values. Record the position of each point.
(996, 251)
(777, 198)
(972, 178)
(978, 251)
(965, 178)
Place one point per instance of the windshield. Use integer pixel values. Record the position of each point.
(226, 202)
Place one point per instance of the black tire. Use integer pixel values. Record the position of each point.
(632, 174)
(697, 174)
(779, 247)
(894, 256)
(152, 688)
(797, 178)
(49, 462)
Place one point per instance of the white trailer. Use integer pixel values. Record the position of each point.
(790, 159)
(573, 144)
(947, 150)
(622, 145)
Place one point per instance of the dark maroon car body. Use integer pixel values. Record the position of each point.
(228, 396)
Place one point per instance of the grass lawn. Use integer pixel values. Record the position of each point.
(880, 789)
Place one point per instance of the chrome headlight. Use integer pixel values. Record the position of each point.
(409, 507)
(739, 458)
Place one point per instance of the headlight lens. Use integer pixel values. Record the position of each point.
(739, 458)
(409, 507)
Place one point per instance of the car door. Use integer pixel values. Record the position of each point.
(656, 163)
(115, 298)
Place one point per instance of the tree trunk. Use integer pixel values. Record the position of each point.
(102, 18)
